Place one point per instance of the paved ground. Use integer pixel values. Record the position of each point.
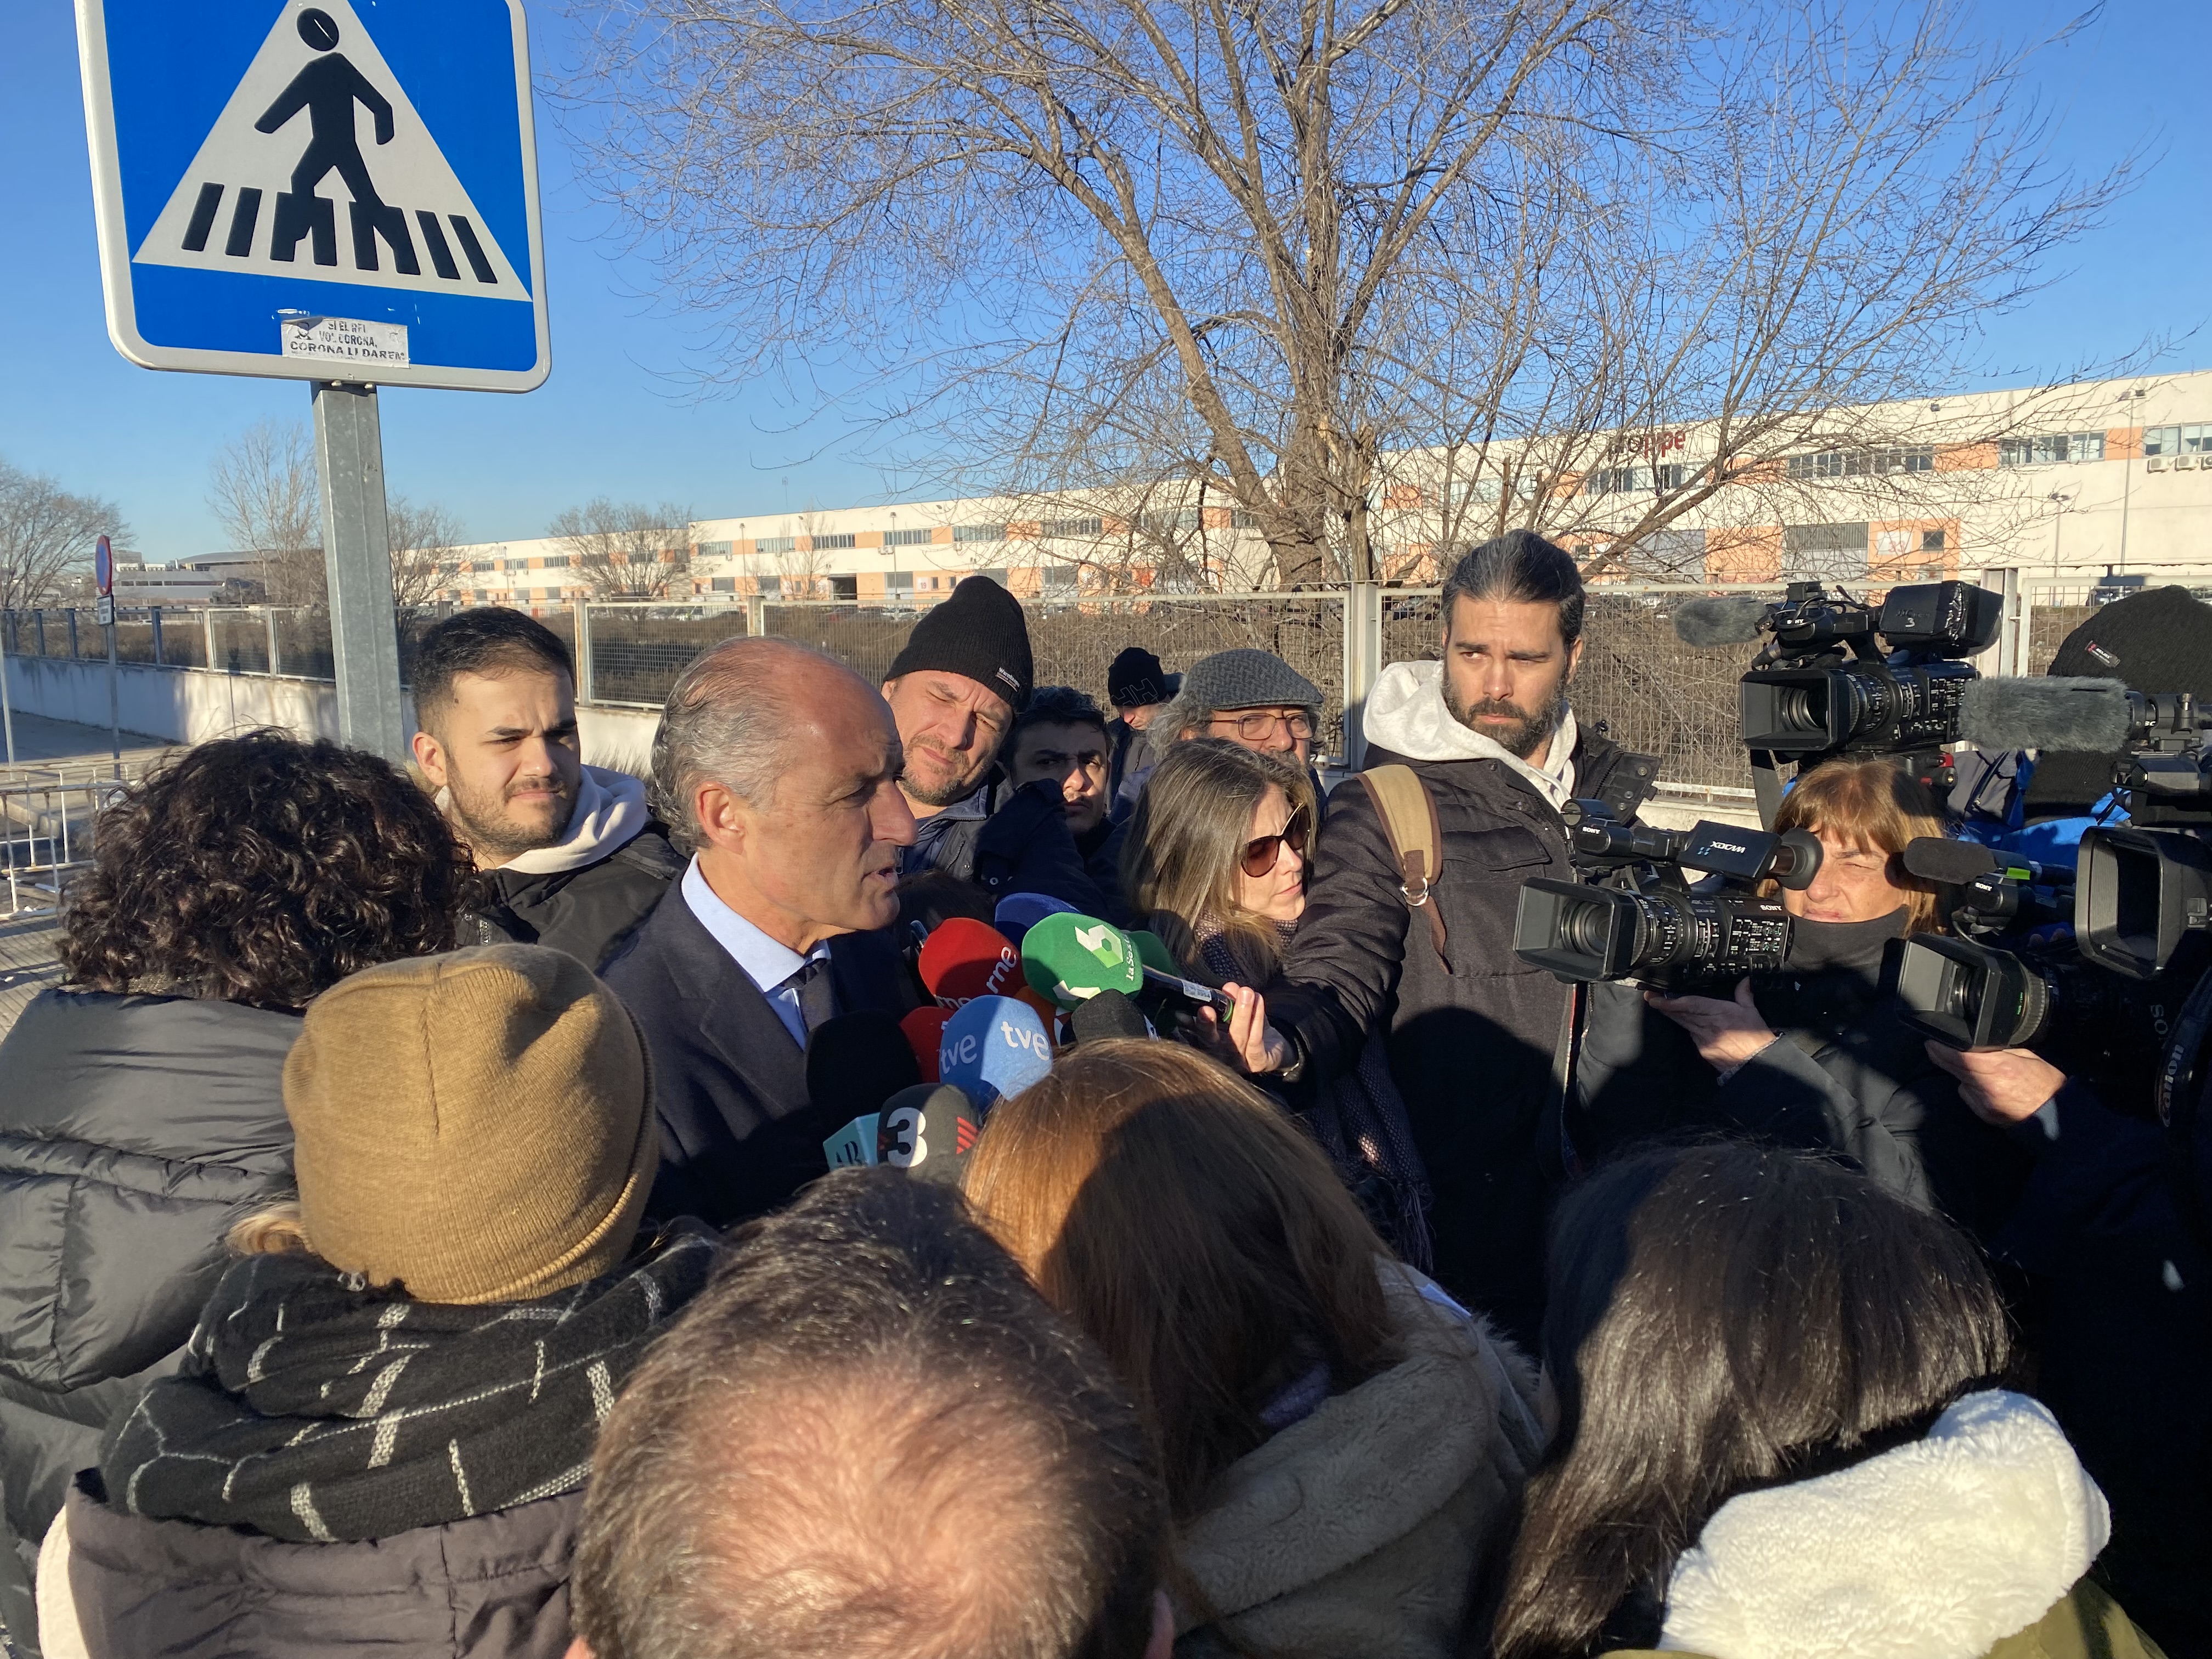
(45, 742)
(27, 964)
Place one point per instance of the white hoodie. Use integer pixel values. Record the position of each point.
(609, 811)
(1407, 714)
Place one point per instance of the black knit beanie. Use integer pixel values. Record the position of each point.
(1136, 679)
(980, 632)
(2160, 640)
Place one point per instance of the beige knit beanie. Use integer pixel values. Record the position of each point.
(477, 1127)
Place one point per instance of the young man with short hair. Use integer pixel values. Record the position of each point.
(1061, 739)
(572, 852)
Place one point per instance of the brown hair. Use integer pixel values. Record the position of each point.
(1195, 1232)
(1179, 864)
(1722, 1317)
(1879, 805)
(263, 869)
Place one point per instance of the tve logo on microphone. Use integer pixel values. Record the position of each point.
(993, 1047)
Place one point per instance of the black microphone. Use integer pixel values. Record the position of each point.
(928, 1131)
(2088, 716)
(1962, 863)
(856, 1062)
(1109, 1014)
(1728, 619)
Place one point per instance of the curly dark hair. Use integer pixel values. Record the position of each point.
(263, 869)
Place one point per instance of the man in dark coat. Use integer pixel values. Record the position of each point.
(573, 858)
(955, 688)
(1139, 687)
(777, 770)
(1060, 739)
(1471, 1029)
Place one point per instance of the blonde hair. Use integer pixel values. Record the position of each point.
(1880, 806)
(1179, 865)
(1202, 1240)
(279, 1230)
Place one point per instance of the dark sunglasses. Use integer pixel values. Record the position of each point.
(1260, 855)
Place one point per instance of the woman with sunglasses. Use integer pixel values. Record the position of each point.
(1216, 863)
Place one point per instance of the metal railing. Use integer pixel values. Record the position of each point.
(47, 816)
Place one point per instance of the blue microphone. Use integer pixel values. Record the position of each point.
(1018, 912)
(993, 1047)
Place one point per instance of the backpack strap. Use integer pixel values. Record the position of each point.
(1409, 818)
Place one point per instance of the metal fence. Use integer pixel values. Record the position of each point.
(46, 814)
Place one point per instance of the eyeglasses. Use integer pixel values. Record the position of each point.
(1259, 853)
(1256, 727)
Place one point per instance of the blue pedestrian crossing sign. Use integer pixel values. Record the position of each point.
(325, 190)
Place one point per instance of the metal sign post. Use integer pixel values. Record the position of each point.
(357, 561)
(327, 191)
(103, 572)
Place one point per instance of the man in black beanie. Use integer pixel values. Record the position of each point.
(954, 690)
(1139, 687)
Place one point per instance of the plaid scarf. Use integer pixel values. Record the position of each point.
(310, 1410)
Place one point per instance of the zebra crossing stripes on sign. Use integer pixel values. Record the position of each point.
(368, 162)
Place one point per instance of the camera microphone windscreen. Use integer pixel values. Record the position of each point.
(1953, 863)
(1017, 912)
(2090, 716)
(857, 1061)
(1072, 958)
(965, 958)
(924, 1029)
(993, 1047)
(1727, 619)
(1109, 1014)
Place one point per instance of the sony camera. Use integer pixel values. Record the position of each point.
(1677, 909)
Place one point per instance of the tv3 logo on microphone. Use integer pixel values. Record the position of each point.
(967, 1050)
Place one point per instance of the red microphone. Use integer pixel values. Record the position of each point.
(924, 1029)
(965, 959)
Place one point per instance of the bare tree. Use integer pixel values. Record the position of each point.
(424, 539)
(46, 535)
(803, 563)
(261, 489)
(626, 551)
(1327, 236)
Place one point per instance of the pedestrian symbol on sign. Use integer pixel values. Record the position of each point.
(252, 194)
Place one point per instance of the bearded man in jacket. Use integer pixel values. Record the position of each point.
(1470, 1029)
(572, 855)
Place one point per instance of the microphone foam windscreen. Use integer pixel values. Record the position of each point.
(2088, 716)
(1109, 1014)
(1937, 858)
(924, 1029)
(1152, 952)
(1019, 912)
(857, 1061)
(1726, 619)
(927, 1131)
(1072, 957)
(993, 1047)
(964, 958)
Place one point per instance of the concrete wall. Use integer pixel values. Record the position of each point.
(189, 705)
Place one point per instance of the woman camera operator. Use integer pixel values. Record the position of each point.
(1813, 1053)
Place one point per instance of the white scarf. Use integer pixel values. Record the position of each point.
(609, 811)
(1406, 713)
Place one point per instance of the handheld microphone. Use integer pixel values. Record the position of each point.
(927, 1131)
(924, 1029)
(1072, 958)
(1109, 1014)
(1725, 619)
(1152, 950)
(993, 1047)
(855, 1063)
(965, 959)
(2059, 714)
(1017, 912)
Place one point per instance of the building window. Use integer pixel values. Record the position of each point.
(1060, 579)
(2177, 441)
(979, 532)
(708, 551)
(833, 543)
(845, 587)
(1240, 520)
(898, 581)
(1073, 526)
(1863, 462)
(724, 584)
(998, 576)
(2052, 446)
(906, 538)
(1931, 541)
(775, 545)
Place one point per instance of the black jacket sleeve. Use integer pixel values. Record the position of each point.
(1025, 847)
(1351, 944)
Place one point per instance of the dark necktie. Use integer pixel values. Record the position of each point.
(818, 1000)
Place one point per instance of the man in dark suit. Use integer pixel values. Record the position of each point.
(776, 767)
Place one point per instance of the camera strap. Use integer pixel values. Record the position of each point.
(1409, 818)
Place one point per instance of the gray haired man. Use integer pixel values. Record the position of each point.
(776, 768)
(1250, 697)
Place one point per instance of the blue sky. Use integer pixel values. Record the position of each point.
(619, 418)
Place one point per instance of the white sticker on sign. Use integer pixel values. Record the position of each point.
(344, 339)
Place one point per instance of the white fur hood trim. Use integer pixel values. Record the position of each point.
(1406, 714)
(1937, 1550)
(609, 811)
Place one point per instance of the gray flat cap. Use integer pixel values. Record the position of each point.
(1246, 679)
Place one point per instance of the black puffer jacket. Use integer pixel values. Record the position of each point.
(133, 1131)
(591, 912)
(1471, 1039)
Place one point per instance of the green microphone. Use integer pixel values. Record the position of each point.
(1071, 957)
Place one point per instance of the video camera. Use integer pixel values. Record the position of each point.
(1640, 914)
